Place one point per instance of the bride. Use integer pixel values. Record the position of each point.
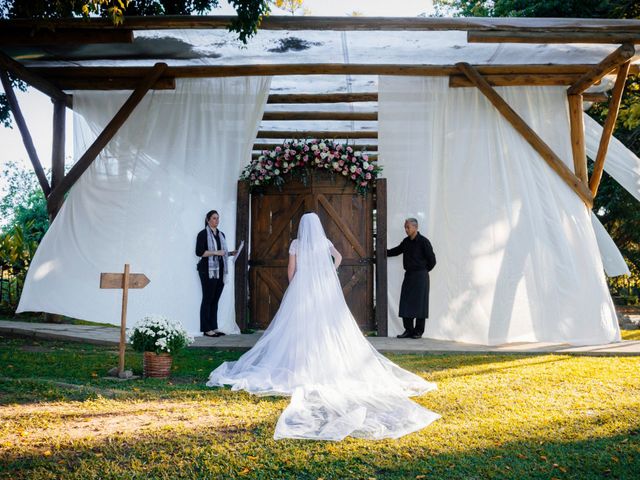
(314, 351)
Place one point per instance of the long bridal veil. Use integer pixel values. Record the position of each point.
(314, 351)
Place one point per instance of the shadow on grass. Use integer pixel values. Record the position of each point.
(250, 452)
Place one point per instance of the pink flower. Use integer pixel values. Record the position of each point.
(358, 170)
(363, 184)
(341, 163)
(368, 176)
(371, 167)
(278, 149)
(365, 157)
(353, 177)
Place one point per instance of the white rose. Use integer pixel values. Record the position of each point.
(353, 169)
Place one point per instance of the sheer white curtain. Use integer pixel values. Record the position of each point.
(144, 199)
(517, 255)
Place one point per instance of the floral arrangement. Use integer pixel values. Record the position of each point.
(299, 157)
(158, 334)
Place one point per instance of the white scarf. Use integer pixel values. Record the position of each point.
(214, 265)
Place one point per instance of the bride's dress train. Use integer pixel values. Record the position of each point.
(314, 351)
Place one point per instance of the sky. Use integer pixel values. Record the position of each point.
(38, 111)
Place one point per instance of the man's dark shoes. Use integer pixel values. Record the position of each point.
(405, 334)
(416, 336)
(214, 334)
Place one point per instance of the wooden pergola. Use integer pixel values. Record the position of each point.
(19, 35)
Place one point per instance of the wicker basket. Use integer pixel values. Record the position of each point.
(156, 365)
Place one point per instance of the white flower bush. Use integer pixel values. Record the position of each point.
(156, 333)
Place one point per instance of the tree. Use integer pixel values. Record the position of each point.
(291, 6)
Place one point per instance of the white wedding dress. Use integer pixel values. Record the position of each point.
(314, 351)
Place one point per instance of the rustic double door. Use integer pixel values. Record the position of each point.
(348, 222)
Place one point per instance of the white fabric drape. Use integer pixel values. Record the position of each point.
(144, 199)
(517, 255)
(612, 259)
(621, 163)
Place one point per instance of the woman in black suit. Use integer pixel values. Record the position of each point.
(211, 247)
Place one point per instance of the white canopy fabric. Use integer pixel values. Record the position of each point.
(143, 200)
(517, 255)
(621, 163)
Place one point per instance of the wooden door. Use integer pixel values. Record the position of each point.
(348, 222)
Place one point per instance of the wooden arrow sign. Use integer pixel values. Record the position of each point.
(123, 281)
(116, 280)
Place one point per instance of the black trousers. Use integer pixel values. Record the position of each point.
(408, 325)
(211, 291)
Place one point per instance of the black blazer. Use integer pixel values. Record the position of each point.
(201, 247)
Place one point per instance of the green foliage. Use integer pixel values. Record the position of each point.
(538, 8)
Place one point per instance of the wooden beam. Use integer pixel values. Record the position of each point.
(595, 97)
(315, 134)
(458, 81)
(57, 148)
(62, 75)
(528, 134)
(609, 126)
(24, 132)
(36, 81)
(577, 137)
(382, 315)
(112, 83)
(285, 22)
(57, 195)
(621, 55)
(323, 97)
(329, 116)
(614, 36)
(360, 147)
(243, 215)
(62, 36)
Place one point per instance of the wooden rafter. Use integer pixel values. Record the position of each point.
(539, 25)
(315, 134)
(612, 61)
(24, 132)
(614, 36)
(36, 81)
(329, 116)
(609, 126)
(57, 195)
(528, 134)
(283, 98)
(458, 81)
(110, 83)
(61, 36)
(577, 137)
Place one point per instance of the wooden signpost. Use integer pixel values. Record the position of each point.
(125, 281)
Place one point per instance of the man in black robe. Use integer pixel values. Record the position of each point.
(418, 260)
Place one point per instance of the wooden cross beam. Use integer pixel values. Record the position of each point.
(24, 132)
(57, 195)
(329, 116)
(509, 80)
(315, 134)
(35, 80)
(528, 134)
(621, 55)
(609, 126)
(611, 36)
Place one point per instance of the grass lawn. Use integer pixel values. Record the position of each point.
(504, 416)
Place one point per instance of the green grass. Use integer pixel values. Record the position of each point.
(504, 416)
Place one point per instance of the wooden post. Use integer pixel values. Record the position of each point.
(528, 134)
(577, 137)
(123, 318)
(609, 126)
(57, 150)
(125, 281)
(382, 318)
(242, 263)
